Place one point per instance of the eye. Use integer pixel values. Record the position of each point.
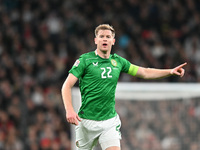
(108, 36)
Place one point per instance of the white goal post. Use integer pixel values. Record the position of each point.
(157, 91)
(144, 91)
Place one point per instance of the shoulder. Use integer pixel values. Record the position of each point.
(87, 55)
(92, 53)
(116, 56)
(121, 60)
(87, 58)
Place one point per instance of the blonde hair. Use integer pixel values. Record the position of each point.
(104, 27)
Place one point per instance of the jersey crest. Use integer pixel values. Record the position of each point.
(114, 62)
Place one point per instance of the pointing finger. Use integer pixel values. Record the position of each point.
(182, 65)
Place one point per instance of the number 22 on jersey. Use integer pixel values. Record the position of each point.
(106, 72)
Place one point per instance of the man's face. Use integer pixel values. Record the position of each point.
(104, 40)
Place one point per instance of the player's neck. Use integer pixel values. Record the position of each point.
(103, 54)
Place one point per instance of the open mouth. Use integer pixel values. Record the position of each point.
(104, 44)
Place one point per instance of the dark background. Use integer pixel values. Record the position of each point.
(41, 39)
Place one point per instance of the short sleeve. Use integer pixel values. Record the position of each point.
(125, 64)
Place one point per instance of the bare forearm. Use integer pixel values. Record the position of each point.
(158, 73)
(71, 116)
(151, 73)
(67, 97)
(66, 92)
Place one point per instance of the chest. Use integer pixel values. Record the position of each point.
(103, 70)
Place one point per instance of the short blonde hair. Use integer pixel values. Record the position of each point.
(104, 27)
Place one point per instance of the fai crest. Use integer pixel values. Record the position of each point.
(114, 62)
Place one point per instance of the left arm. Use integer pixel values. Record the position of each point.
(151, 73)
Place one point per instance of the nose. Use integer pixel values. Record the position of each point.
(105, 39)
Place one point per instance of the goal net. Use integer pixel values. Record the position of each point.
(156, 116)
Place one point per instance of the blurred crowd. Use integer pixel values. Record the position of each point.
(40, 41)
(160, 125)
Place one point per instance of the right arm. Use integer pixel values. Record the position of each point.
(71, 116)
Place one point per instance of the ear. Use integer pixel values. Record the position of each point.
(113, 42)
(95, 40)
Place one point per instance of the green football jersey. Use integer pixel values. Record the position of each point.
(98, 79)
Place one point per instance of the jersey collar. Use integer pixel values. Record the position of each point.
(101, 57)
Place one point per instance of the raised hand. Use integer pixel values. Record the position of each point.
(179, 71)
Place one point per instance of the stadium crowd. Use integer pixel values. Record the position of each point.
(40, 41)
(160, 125)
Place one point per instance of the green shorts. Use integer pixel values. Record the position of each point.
(89, 132)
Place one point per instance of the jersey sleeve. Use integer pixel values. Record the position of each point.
(78, 68)
(127, 67)
(124, 63)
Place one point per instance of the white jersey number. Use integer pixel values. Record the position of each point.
(107, 70)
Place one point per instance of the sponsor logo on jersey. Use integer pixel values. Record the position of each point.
(77, 63)
(114, 62)
(95, 64)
